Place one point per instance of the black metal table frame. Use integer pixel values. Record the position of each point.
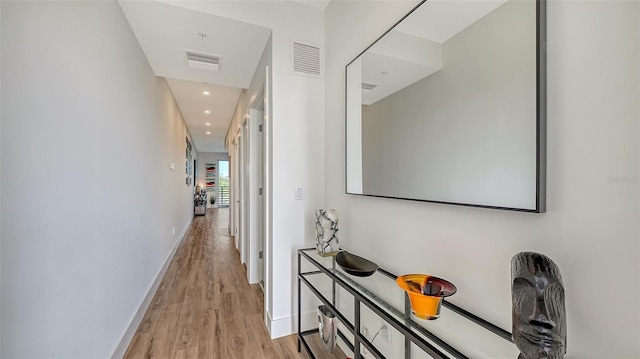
(409, 329)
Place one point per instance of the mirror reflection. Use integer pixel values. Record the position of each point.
(444, 108)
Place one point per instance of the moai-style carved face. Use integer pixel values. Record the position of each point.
(539, 316)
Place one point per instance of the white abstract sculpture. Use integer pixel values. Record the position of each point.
(327, 243)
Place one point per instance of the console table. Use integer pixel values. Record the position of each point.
(456, 334)
(200, 204)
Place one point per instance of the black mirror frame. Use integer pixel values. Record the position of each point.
(541, 116)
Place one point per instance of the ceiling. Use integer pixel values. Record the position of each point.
(165, 31)
(413, 49)
(320, 4)
(440, 20)
(396, 61)
(221, 103)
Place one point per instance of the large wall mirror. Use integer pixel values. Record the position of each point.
(448, 106)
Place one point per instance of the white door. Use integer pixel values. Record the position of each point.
(232, 196)
(266, 239)
(256, 208)
(246, 199)
(236, 191)
(261, 199)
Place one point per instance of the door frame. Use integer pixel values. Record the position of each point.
(255, 266)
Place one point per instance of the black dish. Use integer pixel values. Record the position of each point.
(355, 265)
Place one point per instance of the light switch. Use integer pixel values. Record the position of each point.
(172, 166)
(298, 192)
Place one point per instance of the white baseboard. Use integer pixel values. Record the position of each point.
(289, 325)
(281, 327)
(122, 346)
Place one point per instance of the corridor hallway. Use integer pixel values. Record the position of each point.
(204, 307)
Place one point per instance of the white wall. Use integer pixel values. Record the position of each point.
(297, 145)
(591, 226)
(89, 201)
(0, 172)
(203, 159)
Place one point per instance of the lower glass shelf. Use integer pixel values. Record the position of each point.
(312, 343)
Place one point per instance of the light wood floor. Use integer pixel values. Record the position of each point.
(204, 307)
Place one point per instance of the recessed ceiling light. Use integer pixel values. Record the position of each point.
(208, 124)
(207, 111)
(205, 92)
(208, 133)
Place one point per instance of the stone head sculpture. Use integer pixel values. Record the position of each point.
(539, 317)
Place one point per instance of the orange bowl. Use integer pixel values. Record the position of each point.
(426, 293)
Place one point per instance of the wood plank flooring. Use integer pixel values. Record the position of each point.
(204, 306)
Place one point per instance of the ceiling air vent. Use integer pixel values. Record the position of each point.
(306, 59)
(203, 61)
(367, 87)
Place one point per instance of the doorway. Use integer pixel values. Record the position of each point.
(223, 183)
